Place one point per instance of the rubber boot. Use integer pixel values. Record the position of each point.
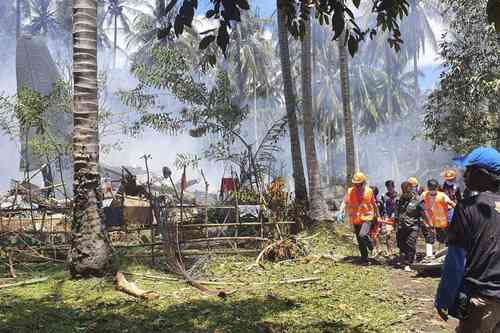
(428, 250)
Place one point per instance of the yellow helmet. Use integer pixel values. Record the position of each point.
(358, 178)
(450, 175)
(413, 181)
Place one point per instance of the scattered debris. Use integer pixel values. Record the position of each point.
(132, 289)
(24, 283)
(282, 249)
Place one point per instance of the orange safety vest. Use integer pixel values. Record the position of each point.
(437, 210)
(360, 208)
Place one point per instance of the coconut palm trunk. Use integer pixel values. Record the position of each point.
(346, 102)
(415, 78)
(497, 143)
(298, 168)
(18, 18)
(115, 40)
(317, 205)
(90, 250)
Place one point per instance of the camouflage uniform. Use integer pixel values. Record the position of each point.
(408, 213)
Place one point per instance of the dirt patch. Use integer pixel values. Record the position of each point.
(417, 295)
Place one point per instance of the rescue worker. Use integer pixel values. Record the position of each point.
(408, 214)
(361, 210)
(389, 201)
(415, 185)
(376, 226)
(470, 284)
(436, 205)
(425, 228)
(450, 186)
(452, 190)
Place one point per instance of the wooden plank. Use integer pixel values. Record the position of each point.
(200, 207)
(216, 239)
(211, 225)
(197, 253)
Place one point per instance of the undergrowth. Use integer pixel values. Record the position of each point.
(347, 298)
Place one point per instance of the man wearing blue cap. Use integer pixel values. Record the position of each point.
(470, 285)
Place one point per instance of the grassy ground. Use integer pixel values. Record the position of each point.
(348, 298)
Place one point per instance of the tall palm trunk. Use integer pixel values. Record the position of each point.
(18, 18)
(414, 9)
(239, 65)
(318, 210)
(346, 102)
(415, 78)
(115, 41)
(90, 251)
(298, 168)
(497, 143)
(160, 7)
(493, 109)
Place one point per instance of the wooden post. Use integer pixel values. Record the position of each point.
(182, 193)
(206, 203)
(261, 220)
(14, 203)
(151, 204)
(237, 212)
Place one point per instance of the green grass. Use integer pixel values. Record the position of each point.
(348, 298)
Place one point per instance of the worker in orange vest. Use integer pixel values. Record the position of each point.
(450, 186)
(436, 205)
(361, 210)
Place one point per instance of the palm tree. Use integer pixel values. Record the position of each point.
(44, 20)
(90, 250)
(18, 18)
(298, 168)
(116, 12)
(346, 102)
(418, 33)
(317, 204)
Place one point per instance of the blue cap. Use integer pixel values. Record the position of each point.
(483, 157)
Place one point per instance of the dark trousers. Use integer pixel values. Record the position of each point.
(442, 235)
(364, 241)
(408, 244)
(428, 232)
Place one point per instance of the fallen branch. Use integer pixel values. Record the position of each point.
(23, 283)
(261, 255)
(38, 255)
(309, 237)
(153, 277)
(222, 283)
(132, 289)
(304, 280)
(170, 234)
(315, 258)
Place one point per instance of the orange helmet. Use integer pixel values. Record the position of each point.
(358, 178)
(450, 175)
(413, 181)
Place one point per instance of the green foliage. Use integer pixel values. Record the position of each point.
(207, 111)
(29, 109)
(335, 13)
(210, 110)
(347, 299)
(462, 112)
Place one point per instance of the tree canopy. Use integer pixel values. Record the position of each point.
(337, 14)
